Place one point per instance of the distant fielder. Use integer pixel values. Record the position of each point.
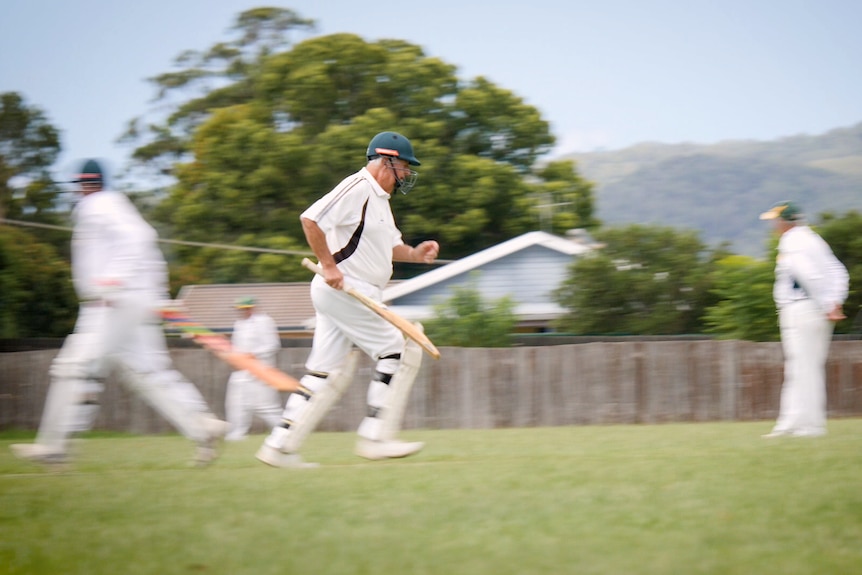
(810, 288)
(254, 333)
(353, 234)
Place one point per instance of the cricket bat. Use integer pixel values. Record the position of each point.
(407, 328)
(221, 347)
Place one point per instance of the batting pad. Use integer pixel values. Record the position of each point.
(399, 392)
(320, 404)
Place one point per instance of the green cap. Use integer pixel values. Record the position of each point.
(787, 211)
(246, 301)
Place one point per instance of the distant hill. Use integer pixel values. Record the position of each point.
(720, 189)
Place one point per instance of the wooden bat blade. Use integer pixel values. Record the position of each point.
(271, 376)
(221, 347)
(407, 327)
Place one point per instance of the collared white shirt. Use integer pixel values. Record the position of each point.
(360, 229)
(257, 334)
(113, 245)
(807, 268)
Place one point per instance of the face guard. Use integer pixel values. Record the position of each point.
(406, 183)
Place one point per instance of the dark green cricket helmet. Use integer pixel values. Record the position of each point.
(90, 172)
(392, 144)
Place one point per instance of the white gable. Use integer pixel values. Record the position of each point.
(463, 266)
(530, 265)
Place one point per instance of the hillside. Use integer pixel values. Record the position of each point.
(720, 189)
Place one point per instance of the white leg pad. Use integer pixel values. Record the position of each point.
(88, 406)
(402, 382)
(320, 404)
(61, 413)
(72, 402)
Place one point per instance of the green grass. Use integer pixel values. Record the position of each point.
(675, 499)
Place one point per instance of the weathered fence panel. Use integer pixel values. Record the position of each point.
(572, 384)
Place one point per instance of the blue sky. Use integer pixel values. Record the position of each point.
(605, 74)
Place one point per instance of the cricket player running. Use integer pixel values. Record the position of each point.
(352, 232)
(120, 276)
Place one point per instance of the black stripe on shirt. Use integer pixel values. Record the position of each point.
(353, 243)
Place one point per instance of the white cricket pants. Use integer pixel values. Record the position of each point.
(805, 337)
(245, 397)
(127, 336)
(343, 321)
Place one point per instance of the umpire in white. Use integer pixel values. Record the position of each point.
(255, 333)
(810, 288)
(352, 232)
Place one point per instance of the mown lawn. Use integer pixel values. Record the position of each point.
(662, 499)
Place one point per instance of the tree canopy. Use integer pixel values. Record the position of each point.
(36, 294)
(285, 125)
(467, 320)
(645, 280)
(29, 146)
(745, 308)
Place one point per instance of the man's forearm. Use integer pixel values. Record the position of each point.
(317, 242)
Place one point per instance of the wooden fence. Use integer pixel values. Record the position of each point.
(575, 384)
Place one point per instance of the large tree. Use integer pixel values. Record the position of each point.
(646, 280)
(251, 155)
(29, 146)
(36, 295)
(218, 77)
(745, 309)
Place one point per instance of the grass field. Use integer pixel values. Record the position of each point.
(663, 499)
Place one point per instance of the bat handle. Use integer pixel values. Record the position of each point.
(316, 268)
(312, 266)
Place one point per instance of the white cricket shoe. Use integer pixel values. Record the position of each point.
(38, 453)
(375, 450)
(277, 458)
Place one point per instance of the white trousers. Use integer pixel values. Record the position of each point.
(805, 337)
(245, 397)
(341, 322)
(126, 336)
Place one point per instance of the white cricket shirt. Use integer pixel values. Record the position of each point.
(360, 229)
(112, 243)
(807, 268)
(257, 334)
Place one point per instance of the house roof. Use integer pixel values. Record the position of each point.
(471, 262)
(289, 304)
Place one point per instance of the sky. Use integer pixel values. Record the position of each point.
(605, 74)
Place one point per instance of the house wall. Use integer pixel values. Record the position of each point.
(573, 384)
(528, 276)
